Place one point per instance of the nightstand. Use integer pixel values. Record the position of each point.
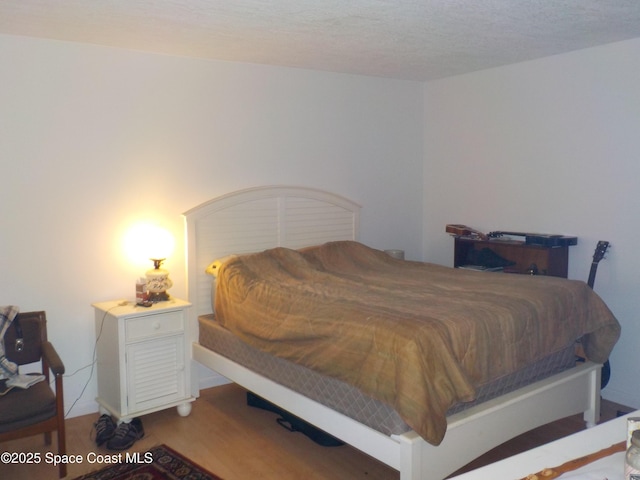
(143, 358)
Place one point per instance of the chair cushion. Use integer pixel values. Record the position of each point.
(20, 408)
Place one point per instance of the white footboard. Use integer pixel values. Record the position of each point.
(473, 432)
(470, 433)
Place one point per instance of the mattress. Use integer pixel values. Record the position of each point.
(350, 401)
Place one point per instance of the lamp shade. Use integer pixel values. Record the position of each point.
(146, 241)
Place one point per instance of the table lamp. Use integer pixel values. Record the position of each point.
(155, 243)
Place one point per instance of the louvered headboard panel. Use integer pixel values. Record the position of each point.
(257, 219)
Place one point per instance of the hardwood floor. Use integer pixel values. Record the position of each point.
(237, 442)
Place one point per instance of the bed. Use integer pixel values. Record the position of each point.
(290, 220)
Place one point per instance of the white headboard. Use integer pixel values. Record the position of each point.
(256, 219)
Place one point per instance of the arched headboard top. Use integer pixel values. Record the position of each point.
(256, 219)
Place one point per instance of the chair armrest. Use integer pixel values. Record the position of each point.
(51, 357)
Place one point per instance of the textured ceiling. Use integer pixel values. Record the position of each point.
(406, 39)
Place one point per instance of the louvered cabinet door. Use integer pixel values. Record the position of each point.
(143, 358)
(155, 373)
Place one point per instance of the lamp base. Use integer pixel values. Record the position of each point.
(156, 297)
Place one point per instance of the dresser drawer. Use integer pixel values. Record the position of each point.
(154, 325)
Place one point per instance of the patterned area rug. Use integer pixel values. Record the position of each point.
(159, 463)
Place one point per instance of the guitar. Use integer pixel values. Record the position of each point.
(464, 231)
(544, 239)
(601, 249)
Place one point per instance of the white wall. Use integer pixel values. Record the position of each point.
(93, 139)
(550, 146)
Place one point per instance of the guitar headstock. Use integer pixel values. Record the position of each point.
(601, 249)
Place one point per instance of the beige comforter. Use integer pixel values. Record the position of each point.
(417, 336)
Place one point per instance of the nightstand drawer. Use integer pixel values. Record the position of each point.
(154, 325)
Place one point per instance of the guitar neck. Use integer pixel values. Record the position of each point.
(592, 274)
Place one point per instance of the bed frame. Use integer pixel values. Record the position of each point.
(260, 218)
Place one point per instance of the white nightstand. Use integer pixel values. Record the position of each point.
(143, 358)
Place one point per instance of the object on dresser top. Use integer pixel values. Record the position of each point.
(544, 239)
(458, 230)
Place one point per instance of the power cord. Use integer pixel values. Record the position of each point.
(93, 356)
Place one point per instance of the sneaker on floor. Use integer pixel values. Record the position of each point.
(126, 435)
(105, 428)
